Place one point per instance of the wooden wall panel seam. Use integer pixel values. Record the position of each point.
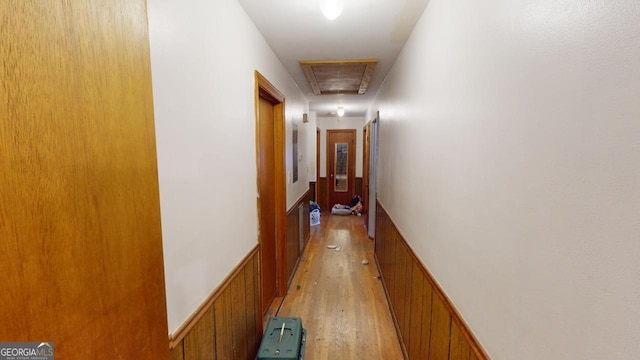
(321, 188)
(195, 342)
(238, 310)
(186, 327)
(392, 261)
(425, 339)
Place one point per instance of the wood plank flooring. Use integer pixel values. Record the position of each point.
(340, 300)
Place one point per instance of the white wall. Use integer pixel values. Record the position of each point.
(311, 145)
(293, 115)
(510, 160)
(331, 123)
(203, 57)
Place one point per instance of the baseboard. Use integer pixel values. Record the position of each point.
(416, 299)
(234, 304)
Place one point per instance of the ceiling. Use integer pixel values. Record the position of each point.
(297, 31)
(339, 76)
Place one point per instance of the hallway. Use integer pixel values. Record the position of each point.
(499, 143)
(340, 300)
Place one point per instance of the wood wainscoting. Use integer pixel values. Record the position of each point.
(322, 194)
(312, 188)
(428, 324)
(297, 236)
(228, 325)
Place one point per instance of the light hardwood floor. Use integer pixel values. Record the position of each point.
(340, 300)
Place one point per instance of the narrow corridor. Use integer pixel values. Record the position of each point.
(341, 300)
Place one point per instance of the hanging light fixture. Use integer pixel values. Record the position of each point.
(340, 111)
(331, 9)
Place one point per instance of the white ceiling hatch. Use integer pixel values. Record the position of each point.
(298, 31)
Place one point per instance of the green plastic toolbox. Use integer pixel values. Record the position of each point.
(283, 339)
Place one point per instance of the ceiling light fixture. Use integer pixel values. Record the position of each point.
(340, 111)
(331, 9)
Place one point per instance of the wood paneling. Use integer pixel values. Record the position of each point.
(239, 311)
(80, 237)
(406, 298)
(322, 194)
(177, 353)
(458, 347)
(312, 188)
(198, 344)
(427, 303)
(428, 324)
(252, 303)
(398, 291)
(413, 340)
(293, 232)
(306, 225)
(223, 326)
(228, 325)
(440, 330)
(293, 240)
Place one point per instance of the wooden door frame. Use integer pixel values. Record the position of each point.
(366, 161)
(373, 173)
(265, 89)
(317, 194)
(329, 181)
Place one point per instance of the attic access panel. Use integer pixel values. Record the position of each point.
(328, 77)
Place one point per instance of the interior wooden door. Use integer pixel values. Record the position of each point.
(341, 164)
(266, 170)
(366, 158)
(272, 213)
(80, 237)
